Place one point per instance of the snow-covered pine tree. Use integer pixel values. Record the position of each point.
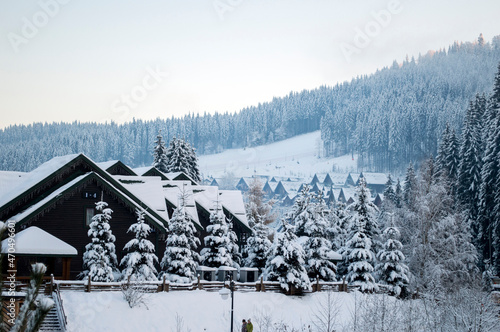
(257, 246)
(443, 151)
(398, 195)
(365, 212)
(139, 262)
(448, 155)
(192, 159)
(233, 247)
(217, 251)
(391, 268)
(286, 261)
(495, 227)
(180, 258)
(358, 257)
(318, 248)
(469, 170)
(389, 193)
(489, 191)
(181, 157)
(338, 230)
(99, 258)
(301, 211)
(160, 154)
(410, 187)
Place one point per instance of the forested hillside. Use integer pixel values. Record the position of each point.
(391, 117)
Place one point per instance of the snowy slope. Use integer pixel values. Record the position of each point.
(299, 156)
(200, 310)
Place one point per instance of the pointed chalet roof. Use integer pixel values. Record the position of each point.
(10, 179)
(34, 177)
(374, 178)
(314, 180)
(116, 167)
(172, 192)
(59, 175)
(148, 189)
(65, 191)
(328, 181)
(35, 241)
(150, 171)
(230, 200)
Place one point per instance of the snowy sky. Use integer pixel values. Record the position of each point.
(67, 60)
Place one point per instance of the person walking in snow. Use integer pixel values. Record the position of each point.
(244, 326)
(249, 326)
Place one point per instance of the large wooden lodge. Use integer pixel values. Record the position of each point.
(52, 206)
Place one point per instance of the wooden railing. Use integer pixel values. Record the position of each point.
(165, 286)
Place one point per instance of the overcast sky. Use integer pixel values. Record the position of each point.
(92, 60)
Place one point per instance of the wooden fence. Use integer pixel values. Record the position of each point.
(165, 286)
(50, 284)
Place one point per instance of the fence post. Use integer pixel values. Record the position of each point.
(262, 287)
(163, 285)
(88, 284)
(199, 282)
(51, 287)
(344, 286)
(318, 287)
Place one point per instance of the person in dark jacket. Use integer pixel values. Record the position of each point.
(249, 326)
(244, 326)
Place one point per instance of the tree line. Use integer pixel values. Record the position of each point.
(389, 118)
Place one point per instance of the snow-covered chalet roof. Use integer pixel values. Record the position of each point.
(35, 176)
(107, 164)
(172, 191)
(9, 179)
(338, 179)
(36, 241)
(375, 178)
(148, 189)
(232, 200)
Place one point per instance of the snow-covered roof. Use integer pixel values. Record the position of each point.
(141, 170)
(349, 193)
(36, 241)
(148, 189)
(175, 175)
(232, 200)
(34, 177)
(338, 179)
(9, 179)
(227, 268)
(205, 268)
(375, 178)
(206, 196)
(60, 191)
(107, 164)
(172, 191)
(20, 216)
(292, 186)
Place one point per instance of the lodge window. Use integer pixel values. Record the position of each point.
(89, 213)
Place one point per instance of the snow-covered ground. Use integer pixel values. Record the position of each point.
(198, 310)
(299, 156)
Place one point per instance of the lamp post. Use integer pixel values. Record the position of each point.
(224, 293)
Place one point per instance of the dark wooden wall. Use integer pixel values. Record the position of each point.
(67, 222)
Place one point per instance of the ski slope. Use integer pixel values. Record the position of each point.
(299, 156)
